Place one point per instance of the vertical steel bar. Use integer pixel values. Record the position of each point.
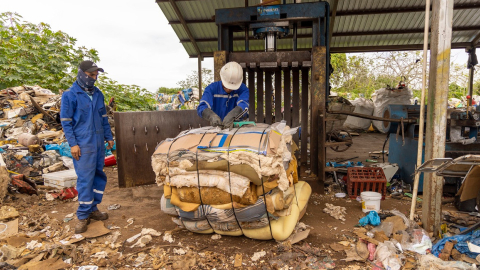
(435, 137)
(471, 75)
(295, 36)
(200, 76)
(287, 96)
(268, 96)
(421, 128)
(304, 122)
(318, 92)
(316, 33)
(251, 99)
(260, 115)
(247, 41)
(323, 38)
(244, 81)
(278, 95)
(295, 100)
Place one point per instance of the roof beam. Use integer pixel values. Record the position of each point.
(358, 49)
(475, 40)
(475, 5)
(348, 34)
(332, 21)
(185, 26)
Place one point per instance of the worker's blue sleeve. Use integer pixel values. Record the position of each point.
(206, 101)
(67, 109)
(106, 126)
(243, 97)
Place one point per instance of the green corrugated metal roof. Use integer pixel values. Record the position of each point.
(381, 15)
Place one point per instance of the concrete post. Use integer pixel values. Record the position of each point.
(440, 45)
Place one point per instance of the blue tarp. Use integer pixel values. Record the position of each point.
(461, 245)
(371, 218)
(65, 150)
(108, 152)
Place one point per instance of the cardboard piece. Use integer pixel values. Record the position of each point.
(238, 260)
(21, 240)
(51, 264)
(8, 212)
(470, 186)
(95, 229)
(338, 247)
(299, 236)
(11, 230)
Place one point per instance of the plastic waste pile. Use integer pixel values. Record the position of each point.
(384, 97)
(32, 142)
(187, 98)
(232, 182)
(362, 106)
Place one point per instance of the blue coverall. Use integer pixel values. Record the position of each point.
(85, 124)
(221, 102)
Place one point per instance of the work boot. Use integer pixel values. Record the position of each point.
(97, 215)
(82, 225)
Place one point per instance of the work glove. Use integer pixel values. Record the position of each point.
(230, 117)
(212, 117)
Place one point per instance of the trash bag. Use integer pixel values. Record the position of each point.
(461, 245)
(65, 150)
(108, 152)
(52, 147)
(371, 218)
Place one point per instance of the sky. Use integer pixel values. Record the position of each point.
(136, 44)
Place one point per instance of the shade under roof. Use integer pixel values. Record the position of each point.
(360, 25)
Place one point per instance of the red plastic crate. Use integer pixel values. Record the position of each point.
(366, 179)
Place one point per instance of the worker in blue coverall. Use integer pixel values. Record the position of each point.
(85, 123)
(225, 101)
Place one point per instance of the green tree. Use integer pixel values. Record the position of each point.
(192, 79)
(34, 54)
(168, 91)
(127, 97)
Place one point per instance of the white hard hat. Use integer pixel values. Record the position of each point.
(231, 75)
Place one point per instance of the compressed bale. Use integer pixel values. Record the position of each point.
(232, 183)
(212, 195)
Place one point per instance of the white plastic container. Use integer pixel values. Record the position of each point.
(61, 179)
(389, 169)
(370, 201)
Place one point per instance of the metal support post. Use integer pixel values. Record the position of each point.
(440, 45)
(472, 61)
(200, 76)
(317, 136)
(219, 60)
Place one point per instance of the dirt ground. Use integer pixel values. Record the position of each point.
(143, 204)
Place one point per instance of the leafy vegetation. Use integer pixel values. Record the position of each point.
(361, 74)
(168, 91)
(127, 97)
(192, 80)
(34, 54)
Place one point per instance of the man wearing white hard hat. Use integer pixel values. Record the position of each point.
(225, 101)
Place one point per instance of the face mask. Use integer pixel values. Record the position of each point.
(85, 82)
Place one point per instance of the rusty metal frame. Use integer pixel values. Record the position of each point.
(137, 135)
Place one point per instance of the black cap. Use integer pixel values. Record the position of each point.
(89, 66)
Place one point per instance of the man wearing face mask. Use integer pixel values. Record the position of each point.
(85, 123)
(225, 101)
